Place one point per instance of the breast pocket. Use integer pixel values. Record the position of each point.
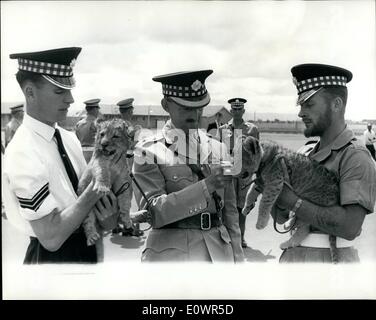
(177, 177)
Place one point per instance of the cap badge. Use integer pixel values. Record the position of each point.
(237, 100)
(73, 62)
(196, 85)
(295, 81)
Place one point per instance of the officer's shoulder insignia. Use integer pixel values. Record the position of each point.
(307, 148)
(310, 142)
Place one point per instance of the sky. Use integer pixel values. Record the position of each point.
(250, 45)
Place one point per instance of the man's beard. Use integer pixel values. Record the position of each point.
(323, 122)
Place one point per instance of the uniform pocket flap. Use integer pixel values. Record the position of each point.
(177, 173)
(160, 240)
(224, 234)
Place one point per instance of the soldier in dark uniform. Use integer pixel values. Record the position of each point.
(322, 96)
(17, 113)
(191, 201)
(126, 110)
(86, 128)
(245, 128)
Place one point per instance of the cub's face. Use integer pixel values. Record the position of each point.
(113, 136)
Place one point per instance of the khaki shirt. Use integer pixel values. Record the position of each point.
(160, 169)
(86, 130)
(355, 167)
(11, 129)
(241, 184)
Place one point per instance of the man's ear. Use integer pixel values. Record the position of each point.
(337, 104)
(29, 90)
(164, 104)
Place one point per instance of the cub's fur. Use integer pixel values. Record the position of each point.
(309, 180)
(109, 169)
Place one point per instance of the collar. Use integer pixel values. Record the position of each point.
(40, 128)
(17, 121)
(231, 123)
(177, 139)
(338, 143)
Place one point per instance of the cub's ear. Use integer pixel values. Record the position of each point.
(131, 131)
(251, 145)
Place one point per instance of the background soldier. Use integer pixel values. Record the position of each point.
(370, 140)
(86, 128)
(322, 96)
(126, 110)
(17, 113)
(192, 203)
(241, 184)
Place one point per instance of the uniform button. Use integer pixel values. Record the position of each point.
(174, 177)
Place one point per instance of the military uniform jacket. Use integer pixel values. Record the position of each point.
(35, 180)
(356, 169)
(241, 184)
(86, 130)
(11, 129)
(176, 193)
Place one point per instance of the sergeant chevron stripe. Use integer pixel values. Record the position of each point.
(35, 202)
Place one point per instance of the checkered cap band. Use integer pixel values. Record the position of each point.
(184, 92)
(309, 84)
(52, 69)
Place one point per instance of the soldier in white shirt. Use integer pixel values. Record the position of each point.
(43, 164)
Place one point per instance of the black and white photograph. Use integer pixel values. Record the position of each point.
(177, 150)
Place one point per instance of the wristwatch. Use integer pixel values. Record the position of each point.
(289, 224)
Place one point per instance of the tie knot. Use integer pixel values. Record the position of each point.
(57, 134)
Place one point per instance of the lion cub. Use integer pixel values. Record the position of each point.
(274, 166)
(109, 169)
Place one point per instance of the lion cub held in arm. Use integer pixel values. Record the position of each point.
(274, 166)
(109, 169)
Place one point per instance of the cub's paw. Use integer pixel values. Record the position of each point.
(92, 238)
(247, 209)
(101, 188)
(261, 224)
(291, 243)
(127, 224)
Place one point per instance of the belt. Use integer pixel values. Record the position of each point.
(202, 221)
(79, 230)
(320, 240)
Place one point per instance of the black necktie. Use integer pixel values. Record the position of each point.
(67, 163)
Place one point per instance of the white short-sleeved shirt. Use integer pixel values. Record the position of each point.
(36, 181)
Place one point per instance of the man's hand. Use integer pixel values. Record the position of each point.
(107, 211)
(285, 202)
(217, 179)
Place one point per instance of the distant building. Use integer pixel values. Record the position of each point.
(148, 116)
